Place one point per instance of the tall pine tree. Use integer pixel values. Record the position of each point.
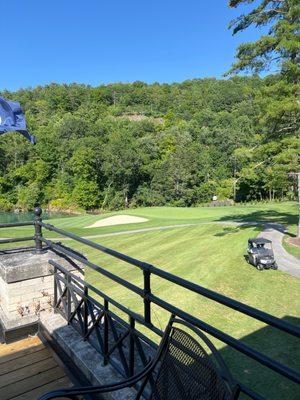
(279, 51)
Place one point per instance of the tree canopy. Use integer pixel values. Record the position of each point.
(137, 144)
(280, 47)
(279, 115)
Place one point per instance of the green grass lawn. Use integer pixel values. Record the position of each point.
(285, 213)
(294, 250)
(211, 255)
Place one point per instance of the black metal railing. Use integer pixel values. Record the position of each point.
(88, 309)
(37, 237)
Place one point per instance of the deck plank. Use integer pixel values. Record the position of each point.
(24, 361)
(30, 383)
(20, 345)
(18, 354)
(27, 370)
(35, 393)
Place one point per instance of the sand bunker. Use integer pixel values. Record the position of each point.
(117, 220)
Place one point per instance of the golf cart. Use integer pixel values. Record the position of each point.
(260, 254)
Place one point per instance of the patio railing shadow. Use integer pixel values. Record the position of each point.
(277, 345)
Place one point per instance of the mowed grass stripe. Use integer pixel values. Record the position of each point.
(285, 212)
(212, 256)
(198, 255)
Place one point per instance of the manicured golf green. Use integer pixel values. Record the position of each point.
(285, 213)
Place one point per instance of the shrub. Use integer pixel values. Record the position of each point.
(86, 194)
(5, 205)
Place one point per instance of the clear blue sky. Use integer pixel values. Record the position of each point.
(95, 41)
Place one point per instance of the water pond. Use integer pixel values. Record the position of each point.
(7, 217)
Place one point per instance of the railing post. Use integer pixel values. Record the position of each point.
(55, 290)
(69, 298)
(85, 313)
(38, 230)
(147, 291)
(105, 334)
(131, 346)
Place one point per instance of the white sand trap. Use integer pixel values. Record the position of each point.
(117, 220)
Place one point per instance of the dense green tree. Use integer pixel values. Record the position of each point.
(281, 44)
(86, 194)
(278, 151)
(123, 145)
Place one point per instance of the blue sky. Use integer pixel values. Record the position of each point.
(96, 42)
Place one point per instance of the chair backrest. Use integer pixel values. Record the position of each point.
(185, 371)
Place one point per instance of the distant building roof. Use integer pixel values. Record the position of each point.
(259, 240)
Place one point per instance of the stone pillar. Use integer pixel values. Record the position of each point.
(26, 288)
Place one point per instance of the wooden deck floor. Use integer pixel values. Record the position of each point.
(27, 370)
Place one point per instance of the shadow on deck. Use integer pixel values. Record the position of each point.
(28, 369)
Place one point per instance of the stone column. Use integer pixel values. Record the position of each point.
(26, 288)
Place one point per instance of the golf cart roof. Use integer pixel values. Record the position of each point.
(259, 241)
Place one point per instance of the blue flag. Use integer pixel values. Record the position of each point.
(12, 118)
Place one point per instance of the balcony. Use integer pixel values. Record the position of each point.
(97, 339)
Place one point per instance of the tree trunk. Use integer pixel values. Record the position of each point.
(298, 175)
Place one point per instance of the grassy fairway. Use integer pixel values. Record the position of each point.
(285, 213)
(211, 255)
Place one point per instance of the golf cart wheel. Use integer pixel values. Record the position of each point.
(275, 266)
(259, 267)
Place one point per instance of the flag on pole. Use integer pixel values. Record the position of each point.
(12, 118)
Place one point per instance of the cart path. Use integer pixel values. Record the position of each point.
(285, 261)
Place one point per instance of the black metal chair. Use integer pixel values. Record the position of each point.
(181, 370)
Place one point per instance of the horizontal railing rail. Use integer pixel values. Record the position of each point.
(226, 301)
(15, 240)
(72, 283)
(16, 224)
(37, 235)
(77, 300)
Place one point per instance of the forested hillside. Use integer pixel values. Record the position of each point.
(137, 144)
